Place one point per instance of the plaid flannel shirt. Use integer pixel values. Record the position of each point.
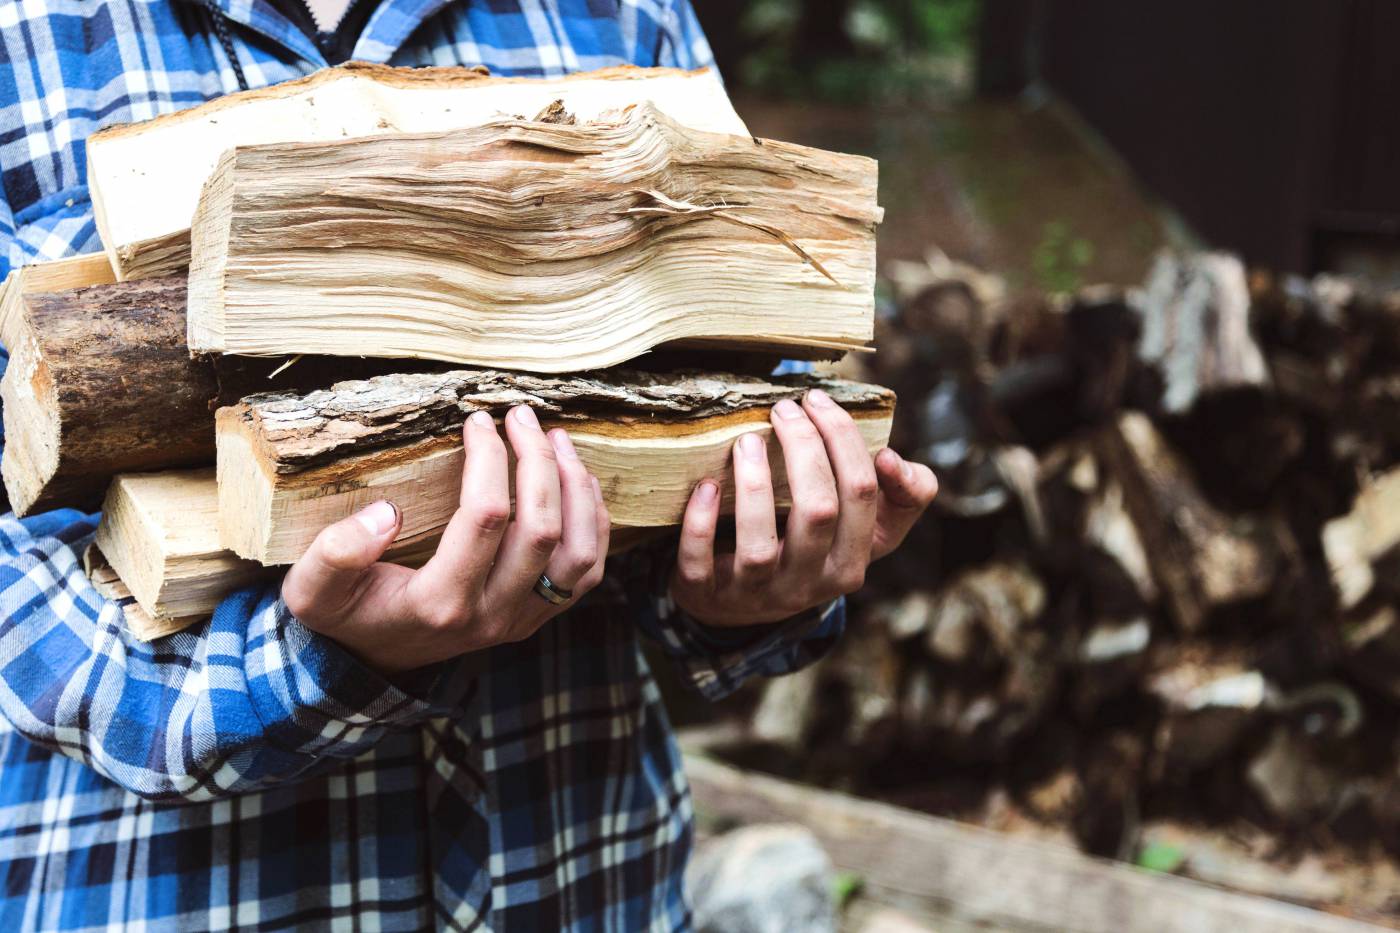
(249, 773)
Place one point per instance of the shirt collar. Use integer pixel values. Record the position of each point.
(388, 28)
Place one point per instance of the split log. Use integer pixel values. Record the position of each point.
(100, 382)
(1196, 327)
(160, 533)
(106, 581)
(145, 178)
(535, 246)
(56, 276)
(1355, 541)
(289, 465)
(1200, 558)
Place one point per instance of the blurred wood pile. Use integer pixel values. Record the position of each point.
(1159, 582)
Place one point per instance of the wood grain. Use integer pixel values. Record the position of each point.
(288, 465)
(145, 178)
(539, 246)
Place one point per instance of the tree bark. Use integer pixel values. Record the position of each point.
(100, 382)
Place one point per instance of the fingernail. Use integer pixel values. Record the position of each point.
(526, 416)
(482, 420)
(906, 468)
(597, 490)
(820, 399)
(562, 445)
(751, 446)
(707, 492)
(379, 518)
(787, 410)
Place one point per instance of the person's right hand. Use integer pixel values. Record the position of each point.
(478, 589)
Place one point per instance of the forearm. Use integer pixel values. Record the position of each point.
(245, 701)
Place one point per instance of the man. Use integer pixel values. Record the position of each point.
(362, 746)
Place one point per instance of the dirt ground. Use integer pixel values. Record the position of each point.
(1016, 186)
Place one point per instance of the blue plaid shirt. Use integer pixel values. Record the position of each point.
(249, 773)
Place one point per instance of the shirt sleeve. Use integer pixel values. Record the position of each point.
(715, 661)
(683, 43)
(248, 700)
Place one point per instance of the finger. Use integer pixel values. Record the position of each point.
(756, 549)
(906, 489)
(537, 529)
(458, 570)
(856, 485)
(325, 581)
(594, 576)
(578, 544)
(811, 524)
(695, 557)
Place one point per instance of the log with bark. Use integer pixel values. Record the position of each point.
(100, 382)
(55, 276)
(290, 464)
(1201, 558)
(160, 532)
(539, 246)
(145, 178)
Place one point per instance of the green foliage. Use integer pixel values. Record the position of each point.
(1061, 258)
(900, 48)
(845, 886)
(1161, 857)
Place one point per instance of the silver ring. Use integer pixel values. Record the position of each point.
(551, 593)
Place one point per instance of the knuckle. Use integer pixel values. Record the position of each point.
(297, 603)
(820, 510)
(758, 558)
(864, 487)
(542, 537)
(692, 576)
(583, 555)
(490, 515)
(445, 615)
(850, 579)
(755, 481)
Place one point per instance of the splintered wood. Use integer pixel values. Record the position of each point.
(288, 465)
(145, 178)
(535, 246)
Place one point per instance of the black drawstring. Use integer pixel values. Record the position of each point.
(216, 20)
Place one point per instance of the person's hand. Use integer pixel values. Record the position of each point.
(478, 588)
(848, 509)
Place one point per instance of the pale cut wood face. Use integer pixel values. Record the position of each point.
(146, 178)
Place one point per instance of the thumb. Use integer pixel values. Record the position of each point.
(906, 489)
(322, 583)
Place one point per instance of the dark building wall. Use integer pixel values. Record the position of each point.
(1223, 107)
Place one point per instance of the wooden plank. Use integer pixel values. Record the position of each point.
(976, 876)
(145, 178)
(537, 246)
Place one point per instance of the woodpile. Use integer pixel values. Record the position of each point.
(291, 273)
(1159, 584)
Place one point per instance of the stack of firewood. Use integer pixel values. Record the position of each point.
(293, 277)
(1159, 582)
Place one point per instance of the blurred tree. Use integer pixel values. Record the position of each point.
(848, 50)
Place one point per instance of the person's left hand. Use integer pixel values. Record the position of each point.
(848, 509)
